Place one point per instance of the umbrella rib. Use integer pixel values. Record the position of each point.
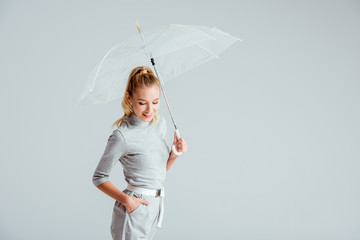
(97, 71)
(207, 50)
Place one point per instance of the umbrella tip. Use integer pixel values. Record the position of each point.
(138, 26)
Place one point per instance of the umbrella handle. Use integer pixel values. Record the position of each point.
(173, 146)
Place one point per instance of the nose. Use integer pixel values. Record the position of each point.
(148, 107)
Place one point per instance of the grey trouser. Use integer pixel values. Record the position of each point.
(139, 224)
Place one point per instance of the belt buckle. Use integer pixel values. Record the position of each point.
(158, 192)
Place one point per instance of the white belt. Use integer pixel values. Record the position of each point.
(151, 192)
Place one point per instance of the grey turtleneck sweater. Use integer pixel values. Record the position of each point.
(142, 151)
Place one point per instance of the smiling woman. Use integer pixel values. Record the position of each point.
(145, 157)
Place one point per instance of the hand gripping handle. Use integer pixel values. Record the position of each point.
(173, 146)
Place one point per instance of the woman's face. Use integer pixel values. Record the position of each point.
(145, 102)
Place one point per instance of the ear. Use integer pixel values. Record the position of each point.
(127, 96)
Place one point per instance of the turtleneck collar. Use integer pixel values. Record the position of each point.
(135, 120)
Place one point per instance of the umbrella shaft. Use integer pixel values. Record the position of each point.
(153, 63)
(167, 104)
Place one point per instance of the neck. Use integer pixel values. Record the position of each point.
(135, 120)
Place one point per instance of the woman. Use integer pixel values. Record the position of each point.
(139, 143)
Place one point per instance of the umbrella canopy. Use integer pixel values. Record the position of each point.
(176, 48)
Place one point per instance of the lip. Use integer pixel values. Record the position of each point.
(147, 116)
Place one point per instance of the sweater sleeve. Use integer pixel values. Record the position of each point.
(115, 149)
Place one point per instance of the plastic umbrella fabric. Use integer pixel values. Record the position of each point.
(176, 49)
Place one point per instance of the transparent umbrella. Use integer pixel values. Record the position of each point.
(175, 48)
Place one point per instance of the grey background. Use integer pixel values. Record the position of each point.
(272, 126)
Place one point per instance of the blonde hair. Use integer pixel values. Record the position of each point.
(141, 76)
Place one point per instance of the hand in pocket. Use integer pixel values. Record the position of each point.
(133, 203)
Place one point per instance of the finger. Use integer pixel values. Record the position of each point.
(144, 202)
(182, 147)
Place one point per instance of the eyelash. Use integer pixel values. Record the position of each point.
(144, 103)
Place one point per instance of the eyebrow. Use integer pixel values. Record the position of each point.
(145, 100)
